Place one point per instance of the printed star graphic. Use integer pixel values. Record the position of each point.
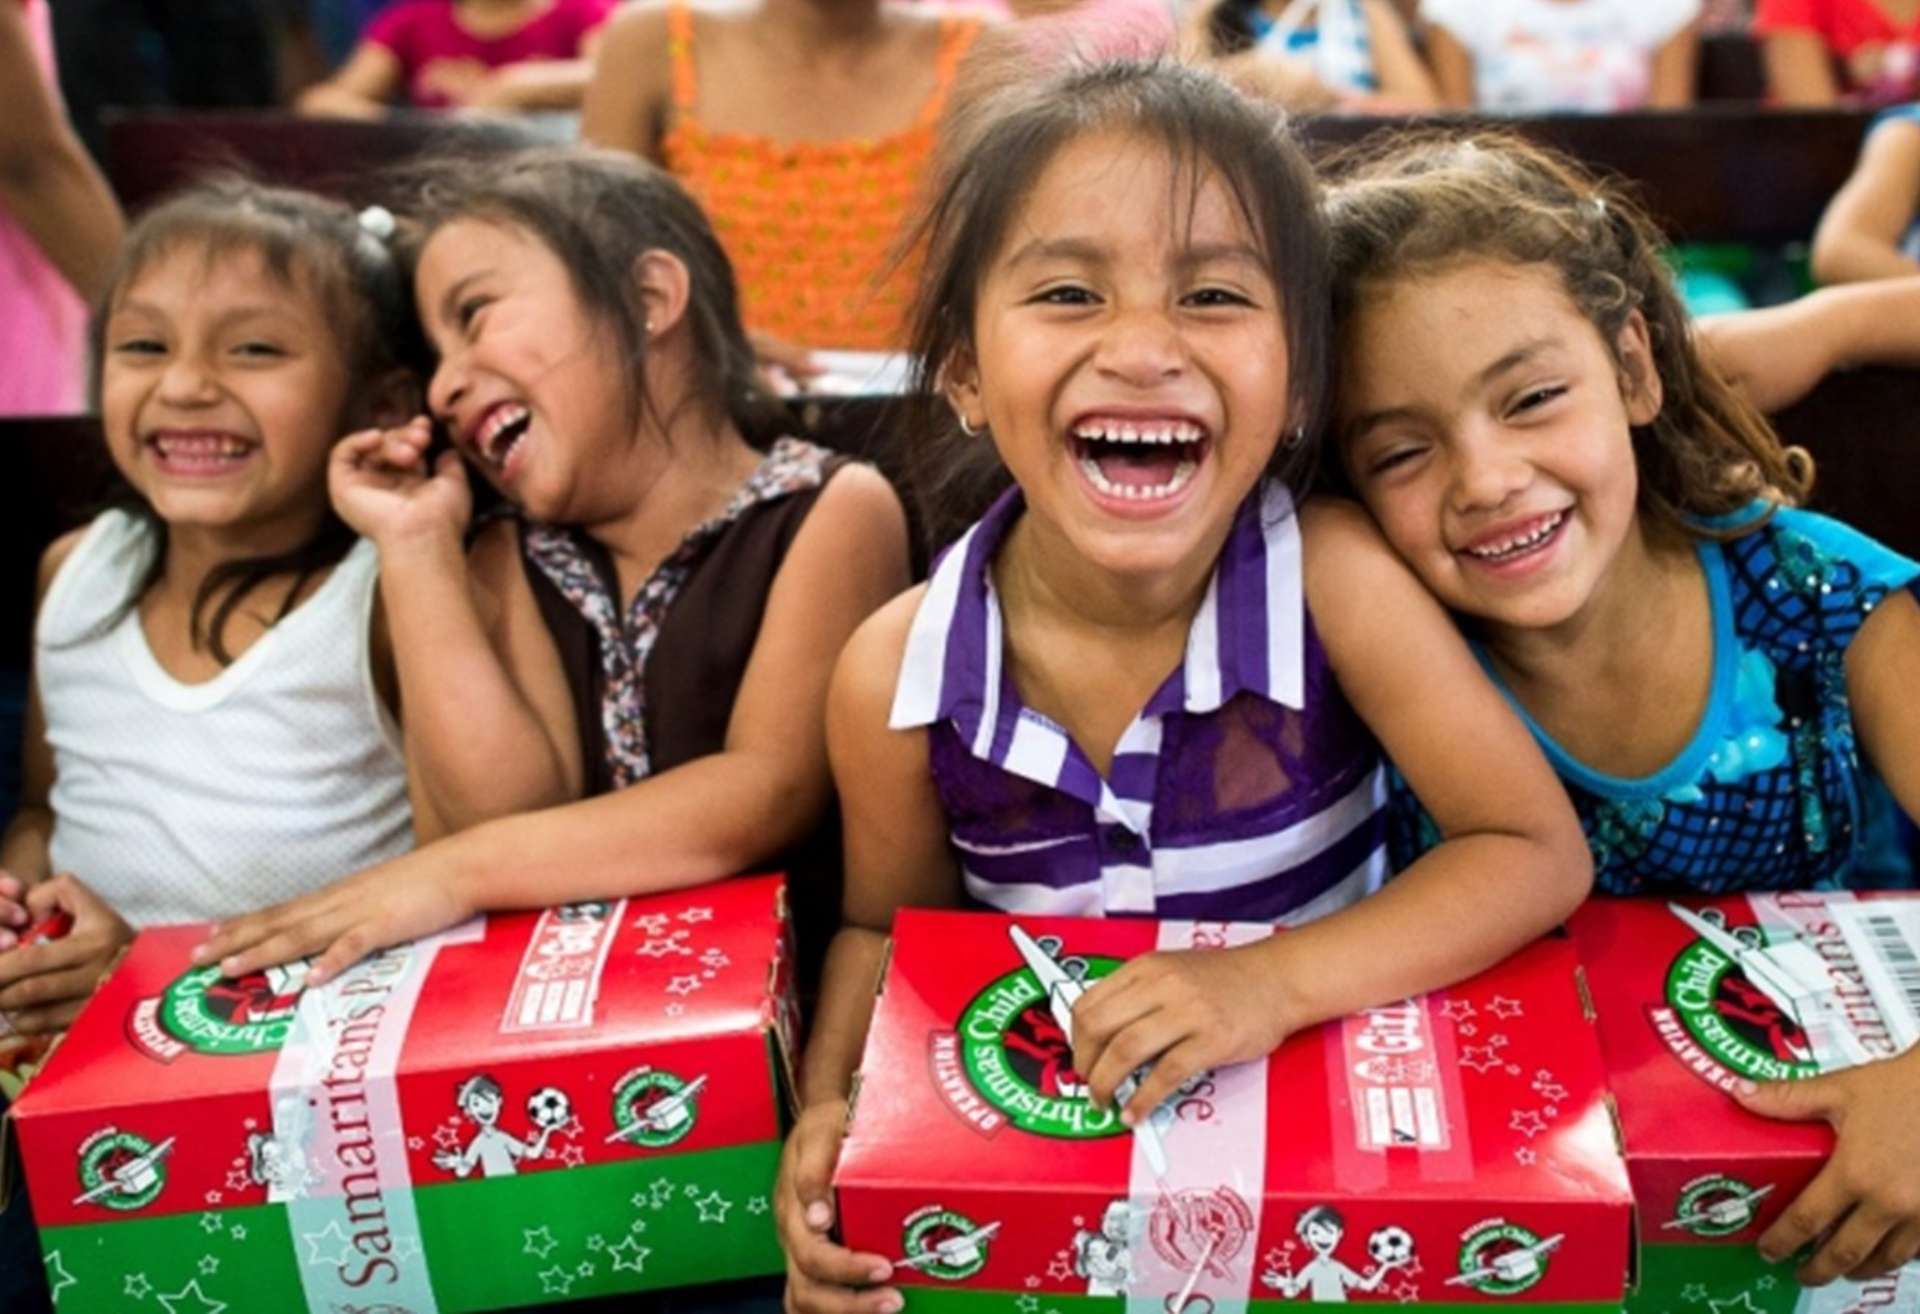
(1504, 1009)
(1032, 1282)
(1527, 1122)
(539, 1241)
(674, 1010)
(584, 1269)
(1060, 1268)
(209, 1265)
(662, 1192)
(238, 1232)
(1745, 1305)
(694, 915)
(406, 1247)
(714, 1208)
(664, 948)
(1551, 1091)
(1467, 1029)
(210, 1223)
(136, 1286)
(214, 1197)
(447, 1135)
(315, 1240)
(1694, 1292)
(1480, 1058)
(637, 1226)
(574, 1126)
(653, 923)
(640, 1200)
(416, 1143)
(202, 1302)
(1456, 1010)
(1497, 1041)
(556, 1281)
(1766, 1282)
(251, 1124)
(757, 1204)
(597, 1242)
(716, 958)
(1028, 1304)
(629, 1254)
(691, 1191)
(1526, 1156)
(58, 1279)
(683, 985)
(1406, 1292)
(239, 1180)
(1274, 1258)
(573, 1156)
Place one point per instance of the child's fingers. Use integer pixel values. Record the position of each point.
(348, 948)
(1852, 1244)
(1169, 1073)
(1139, 1044)
(53, 1017)
(1812, 1214)
(805, 1295)
(47, 988)
(1900, 1248)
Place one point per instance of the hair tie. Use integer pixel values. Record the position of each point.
(377, 222)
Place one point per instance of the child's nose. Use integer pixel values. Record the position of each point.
(188, 381)
(1486, 472)
(1142, 348)
(446, 388)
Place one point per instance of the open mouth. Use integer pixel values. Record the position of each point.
(198, 452)
(1528, 538)
(1138, 460)
(500, 432)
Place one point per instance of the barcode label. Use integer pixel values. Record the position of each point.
(1884, 935)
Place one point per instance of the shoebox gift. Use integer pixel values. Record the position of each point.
(1696, 995)
(530, 1107)
(1453, 1149)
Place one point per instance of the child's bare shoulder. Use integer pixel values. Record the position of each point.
(869, 667)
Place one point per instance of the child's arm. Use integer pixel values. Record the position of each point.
(706, 819)
(896, 855)
(1861, 1214)
(1405, 83)
(1675, 67)
(1799, 69)
(1860, 232)
(534, 84)
(1512, 866)
(361, 88)
(1452, 68)
(626, 100)
(42, 986)
(1779, 354)
(489, 725)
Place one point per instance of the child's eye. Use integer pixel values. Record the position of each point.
(1535, 398)
(1067, 294)
(469, 310)
(261, 350)
(1217, 296)
(139, 347)
(1392, 458)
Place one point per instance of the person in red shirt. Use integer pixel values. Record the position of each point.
(1819, 52)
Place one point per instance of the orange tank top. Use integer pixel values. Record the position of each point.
(811, 226)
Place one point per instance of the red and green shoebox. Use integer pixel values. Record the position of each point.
(1695, 995)
(1453, 1150)
(530, 1108)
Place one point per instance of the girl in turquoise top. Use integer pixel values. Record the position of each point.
(1717, 676)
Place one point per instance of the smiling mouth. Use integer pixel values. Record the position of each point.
(1513, 546)
(1139, 460)
(195, 452)
(500, 432)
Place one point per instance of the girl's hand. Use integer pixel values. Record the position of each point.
(44, 986)
(382, 488)
(13, 909)
(1863, 1210)
(402, 899)
(822, 1277)
(785, 367)
(1181, 1012)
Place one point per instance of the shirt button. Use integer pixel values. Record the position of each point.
(1120, 840)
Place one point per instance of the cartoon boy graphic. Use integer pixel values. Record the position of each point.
(1324, 1278)
(1102, 1257)
(496, 1152)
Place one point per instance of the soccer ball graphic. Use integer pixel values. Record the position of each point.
(1391, 1247)
(550, 1107)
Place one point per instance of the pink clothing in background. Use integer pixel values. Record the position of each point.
(43, 321)
(1097, 30)
(423, 32)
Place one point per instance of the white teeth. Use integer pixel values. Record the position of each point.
(1121, 431)
(498, 419)
(1507, 547)
(1182, 474)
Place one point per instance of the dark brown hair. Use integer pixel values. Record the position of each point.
(599, 211)
(1426, 200)
(306, 244)
(991, 158)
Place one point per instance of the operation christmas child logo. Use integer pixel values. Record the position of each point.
(205, 1013)
(1010, 1059)
(120, 1170)
(1502, 1258)
(653, 1108)
(1726, 1015)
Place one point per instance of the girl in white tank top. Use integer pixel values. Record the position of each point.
(209, 730)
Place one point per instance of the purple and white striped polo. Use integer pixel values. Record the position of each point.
(1247, 789)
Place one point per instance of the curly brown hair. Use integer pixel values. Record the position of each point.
(1425, 200)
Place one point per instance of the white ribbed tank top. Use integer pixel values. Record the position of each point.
(188, 802)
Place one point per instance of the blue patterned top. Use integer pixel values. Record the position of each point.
(1770, 793)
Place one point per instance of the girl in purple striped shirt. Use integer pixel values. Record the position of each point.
(1144, 683)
